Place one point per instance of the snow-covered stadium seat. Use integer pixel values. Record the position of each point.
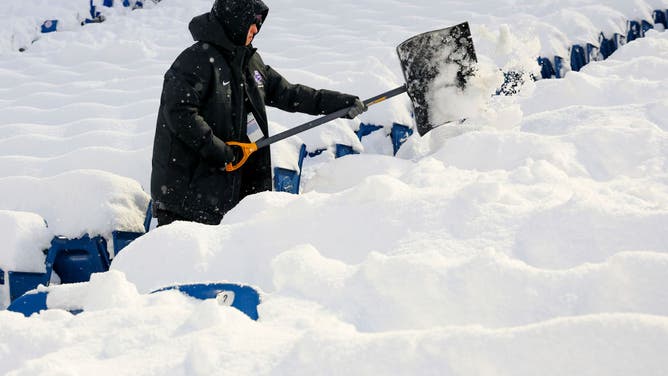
(366, 129)
(660, 17)
(244, 298)
(24, 237)
(546, 68)
(608, 46)
(343, 150)
(399, 135)
(559, 69)
(582, 55)
(286, 180)
(74, 260)
(49, 26)
(578, 57)
(122, 239)
(633, 30)
(75, 217)
(646, 26)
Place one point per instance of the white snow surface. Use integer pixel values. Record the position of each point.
(531, 239)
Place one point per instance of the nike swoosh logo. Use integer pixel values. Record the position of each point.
(226, 83)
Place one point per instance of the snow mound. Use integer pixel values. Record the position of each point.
(528, 240)
(78, 202)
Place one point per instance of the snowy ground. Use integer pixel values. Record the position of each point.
(529, 240)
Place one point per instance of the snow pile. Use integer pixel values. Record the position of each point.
(25, 18)
(24, 236)
(528, 240)
(79, 202)
(519, 226)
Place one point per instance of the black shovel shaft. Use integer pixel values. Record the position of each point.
(327, 118)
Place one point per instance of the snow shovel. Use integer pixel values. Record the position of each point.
(430, 61)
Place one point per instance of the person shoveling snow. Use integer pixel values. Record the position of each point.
(213, 94)
(210, 149)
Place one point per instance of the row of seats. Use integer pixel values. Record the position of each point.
(73, 260)
(94, 14)
(581, 55)
(286, 180)
(242, 297)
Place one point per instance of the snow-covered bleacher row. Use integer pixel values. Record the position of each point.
(584, 53)
(104, 211)
(288, 180)
(72, 224)
(34, 18)
(93, 232)
(94, 13)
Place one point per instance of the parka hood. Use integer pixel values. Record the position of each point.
(237, 16)
(205, 28)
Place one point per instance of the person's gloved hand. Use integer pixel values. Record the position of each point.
(219, 154)
(238, 153)
(358, 107)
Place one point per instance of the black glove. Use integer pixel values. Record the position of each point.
(219, 153)
(357, 108)
(238, 153)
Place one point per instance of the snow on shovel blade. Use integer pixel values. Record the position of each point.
(437, 65)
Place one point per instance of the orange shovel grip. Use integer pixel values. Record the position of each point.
(247, 148)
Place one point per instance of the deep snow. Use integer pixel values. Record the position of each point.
(530, 239)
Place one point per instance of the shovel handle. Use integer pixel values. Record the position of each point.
(247, 148)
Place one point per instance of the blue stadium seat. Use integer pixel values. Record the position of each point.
(148, 217)
(74, 260)
(633, 31)
(286, 180)
(646, 26)
(660, 17)
(620, 40)
(578, 57)
(126, 3)
(367, 129)
(608, 46)
(22, 282)
(546, 68)
(244, 298)
(343, 150)
(29, 303)
(592, 53)
(49, 26)
(399, 135)
(95, 16)
(122, 239)
(316, 153)
(559, 67)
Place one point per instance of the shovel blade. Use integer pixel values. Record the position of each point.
(432, 61)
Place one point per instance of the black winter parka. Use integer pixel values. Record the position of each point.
(207, 94)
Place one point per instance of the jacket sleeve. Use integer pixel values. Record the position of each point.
(184, 89)
(300, 98)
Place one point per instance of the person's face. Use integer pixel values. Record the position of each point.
(251, 34)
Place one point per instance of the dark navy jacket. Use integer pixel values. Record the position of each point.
(208, 93)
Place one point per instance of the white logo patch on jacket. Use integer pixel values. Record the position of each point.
(259, 80)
